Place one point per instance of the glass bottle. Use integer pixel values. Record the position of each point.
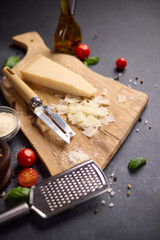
(68, 32)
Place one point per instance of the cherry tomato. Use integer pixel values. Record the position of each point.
(82, 51)
(121, 63)
(27, 177)
(26, 157)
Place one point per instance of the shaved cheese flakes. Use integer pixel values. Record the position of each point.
(87, 114)
(90, 121)
(105, 92)
(87, 110)
(121, 98)
(72, 99)
(90, 131)
(77, 118)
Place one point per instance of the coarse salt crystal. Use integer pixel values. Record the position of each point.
(135, 83)
(103, 202)
(112, 193)
(109, 190)
(112, 174)
(111, 205)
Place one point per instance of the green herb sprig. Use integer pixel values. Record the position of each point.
(18, 194)
(91, 60)
(136, 162)
(11, 61)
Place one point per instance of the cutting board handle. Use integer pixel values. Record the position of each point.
(29, 40)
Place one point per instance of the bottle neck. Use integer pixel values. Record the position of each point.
(65, 8)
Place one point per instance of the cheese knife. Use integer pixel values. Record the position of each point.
(45, 113)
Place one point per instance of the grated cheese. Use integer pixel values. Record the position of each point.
(77, 156)
(8, 123)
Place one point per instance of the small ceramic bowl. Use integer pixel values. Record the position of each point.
(9, 136)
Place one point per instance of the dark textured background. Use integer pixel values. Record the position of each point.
(127, 29)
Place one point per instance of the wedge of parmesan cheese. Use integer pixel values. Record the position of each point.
(43, 71)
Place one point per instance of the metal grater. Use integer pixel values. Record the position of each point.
(67, 189)
(61, 192)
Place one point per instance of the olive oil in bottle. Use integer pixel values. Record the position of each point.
(68, 32)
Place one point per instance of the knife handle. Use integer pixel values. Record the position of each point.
(21, 87)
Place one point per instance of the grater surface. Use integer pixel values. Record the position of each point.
(67, 189)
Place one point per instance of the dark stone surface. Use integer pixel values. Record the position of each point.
(123, 28)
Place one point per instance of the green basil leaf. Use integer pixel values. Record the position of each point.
(136, 162)
(18, 193)
(85, 62)
(91, 60)
(11, 62)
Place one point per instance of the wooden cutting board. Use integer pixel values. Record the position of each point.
(51, 149)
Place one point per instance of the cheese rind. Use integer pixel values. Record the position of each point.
(43, 71)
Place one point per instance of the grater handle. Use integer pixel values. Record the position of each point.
(12, 214)
(22, 88)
